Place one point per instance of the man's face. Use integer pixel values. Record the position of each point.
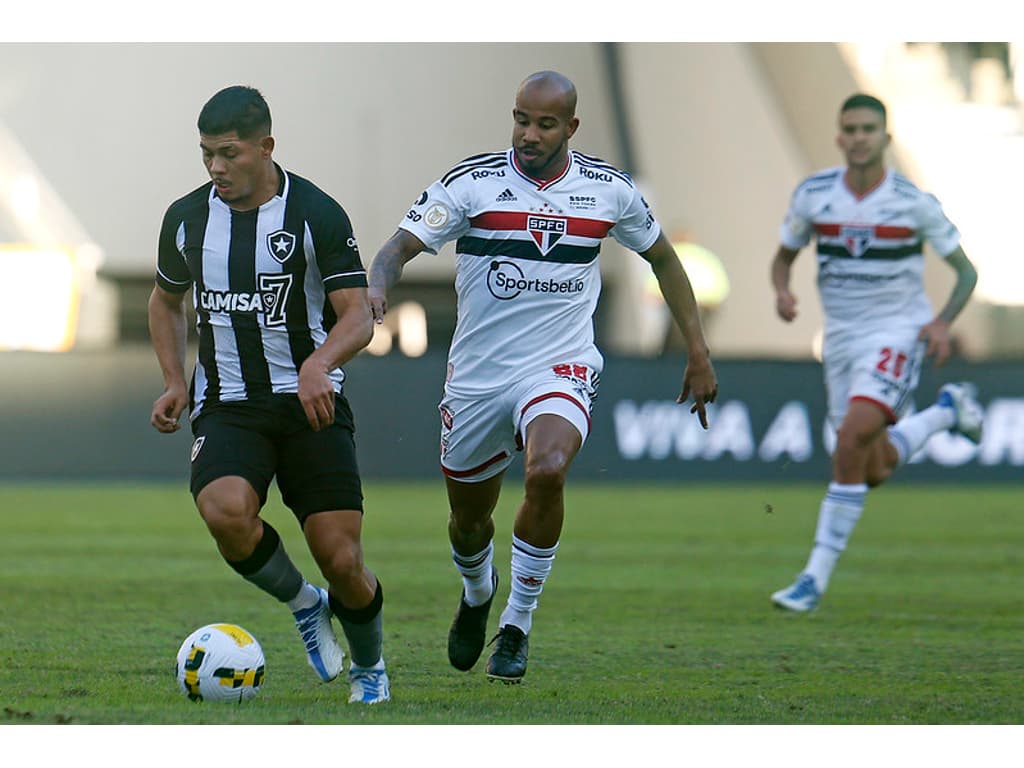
(238, 167)
(862, 137)
(542, 129)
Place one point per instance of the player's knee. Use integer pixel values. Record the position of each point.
(228, 513)
(876, 476)
(850, 440)
(342, 563)
(882, 462)
(470, 525)
(546, 473)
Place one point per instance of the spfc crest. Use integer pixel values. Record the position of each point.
(546, 231)
(857, 239)
(281, 245)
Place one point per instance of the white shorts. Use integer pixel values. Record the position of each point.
(480, 435)
(882, 368)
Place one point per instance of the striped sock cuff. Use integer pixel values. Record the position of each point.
(470, 562)
(530, 549)
(847, 495)
(899, 442)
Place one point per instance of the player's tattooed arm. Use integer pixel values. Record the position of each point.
(386, 270)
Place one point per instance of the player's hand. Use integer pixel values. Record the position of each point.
(316, 394)
(785, 305)
(936, 334)
(168, 409)
(378, 305)
(699, 381)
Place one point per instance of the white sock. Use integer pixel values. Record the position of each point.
(909, 435)
(307, 597)
(476, 574)
(840, 510)
(530, 568)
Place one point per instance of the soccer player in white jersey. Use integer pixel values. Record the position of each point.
(268, 256)
(870, 223)
(523, 368)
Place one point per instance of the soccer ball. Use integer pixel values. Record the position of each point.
(220, 662)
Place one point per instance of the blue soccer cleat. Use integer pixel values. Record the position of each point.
(962, 398)
(322, 650)
(369, 685)
(800, 596)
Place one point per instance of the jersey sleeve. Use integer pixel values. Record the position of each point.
(439, 215)
(172, 272)
(797, 225)
(636, 229)
(337, 252)
(935, 227)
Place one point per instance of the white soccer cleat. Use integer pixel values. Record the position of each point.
(962, 398)
(800, 596)
(322, 650)
(369, 685)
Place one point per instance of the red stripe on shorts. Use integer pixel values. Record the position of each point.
(456, 474)
(888, 411)
(572, 400)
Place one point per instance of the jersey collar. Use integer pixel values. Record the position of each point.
(861, 195)
(539, 183)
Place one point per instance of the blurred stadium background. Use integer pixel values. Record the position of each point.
(97, 139)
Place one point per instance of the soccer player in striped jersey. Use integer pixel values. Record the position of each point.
(870, 223)
(523, 369)
(280, 298)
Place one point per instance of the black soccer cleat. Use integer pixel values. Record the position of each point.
(469, 629)
(508, 661)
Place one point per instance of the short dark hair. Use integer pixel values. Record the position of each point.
(864, 101)
(238, 108)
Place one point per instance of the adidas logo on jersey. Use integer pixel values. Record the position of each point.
(505, 197)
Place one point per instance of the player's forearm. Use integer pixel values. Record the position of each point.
(168, 331)
(679, 297)
(688, 320)
(387, 266)
(782, 269)
(386, 270)
(966, 280)
(675, 287)
(350, 334)
(957, 301)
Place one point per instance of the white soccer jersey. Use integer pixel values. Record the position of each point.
(870, 262)
(527, 275)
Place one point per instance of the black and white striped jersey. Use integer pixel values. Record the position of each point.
(261, 280)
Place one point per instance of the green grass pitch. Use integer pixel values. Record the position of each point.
(656, 612)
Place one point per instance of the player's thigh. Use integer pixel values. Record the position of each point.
(566, 391)
(472, 503)
(863, 426)
(882, 368)
(232, 442)
(887, 370)
(477, 436)
(318, 471)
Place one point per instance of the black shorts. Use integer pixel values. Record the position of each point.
(270, 437)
